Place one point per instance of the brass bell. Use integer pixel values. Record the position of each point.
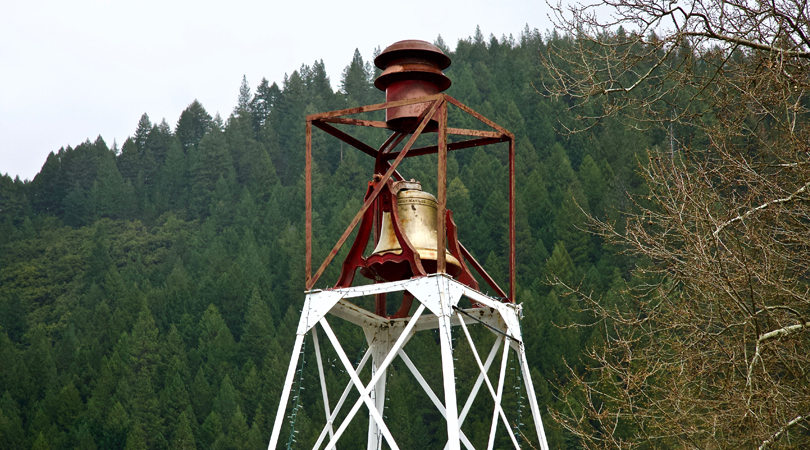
(417, 212)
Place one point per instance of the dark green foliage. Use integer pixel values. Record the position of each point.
(150, 295)
(356, 81)
(12, 317)
(182, 438)
(194, 122)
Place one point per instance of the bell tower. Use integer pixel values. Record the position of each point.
(417, 258)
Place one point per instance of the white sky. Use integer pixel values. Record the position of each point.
(73, 70)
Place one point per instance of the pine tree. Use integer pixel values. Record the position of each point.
(238, 431)
(211, 430)
(216, 343)
(12, 317)
(174, 399)
(193, 124)
(243, 101)
(560, 264)
(142, 132)
(495, 214)
(159, 140)
(227, 402)
(183, 438)
(570, 226)
(143, 362)
(174, 176)
(178, 293)
(200, 394)
(129, 160)
(320, 88)
(290, 107)
(68, 406)
(115, 433)
(39, 361)
(77, 206)
(12, 432)
(82, 438)
(259, 330)
(356, 81)
(98, 259)
(41, 443)
(593, 184)
(263, 103)
(211, 162)
(136, 438)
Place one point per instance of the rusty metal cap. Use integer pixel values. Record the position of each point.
(415, 71)
(412, 48)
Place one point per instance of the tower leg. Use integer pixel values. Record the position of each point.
(496, 411)
(285, 391)
(380, 345)
(527, 377)
(448, 376)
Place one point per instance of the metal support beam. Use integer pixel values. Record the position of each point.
(324, 389)
(331, 419)
(527, 377)
(285, 391)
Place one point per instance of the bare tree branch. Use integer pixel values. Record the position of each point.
(704, 348)
(776, 435)
(745, 215)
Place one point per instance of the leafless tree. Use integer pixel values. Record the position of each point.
(710, 345)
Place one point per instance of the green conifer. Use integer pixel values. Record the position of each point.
(183, 438)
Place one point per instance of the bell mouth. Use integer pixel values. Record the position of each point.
(401, 270)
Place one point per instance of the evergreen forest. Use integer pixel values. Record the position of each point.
(150, 290)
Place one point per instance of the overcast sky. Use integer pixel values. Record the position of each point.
(73, 70)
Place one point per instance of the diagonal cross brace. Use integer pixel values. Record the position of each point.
(432, 395)
(365, 390)
(330, 420)
(495, 397)
(364, 395)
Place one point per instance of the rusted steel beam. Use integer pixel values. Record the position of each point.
(357, 122)
(450, 147)
(478, 116)
(476, 133)
(478, 268)
(363, 147)
(308, 202)
(512, 250)
(380, 165)
(376, 107)
(391, 142)
(441, 230)
(452, 244)
(424, 119)
(400, 136)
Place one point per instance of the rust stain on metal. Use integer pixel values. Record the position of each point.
(411, 69)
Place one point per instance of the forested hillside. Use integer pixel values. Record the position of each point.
(149, 292)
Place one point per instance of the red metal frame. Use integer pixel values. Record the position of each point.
(379, 198)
